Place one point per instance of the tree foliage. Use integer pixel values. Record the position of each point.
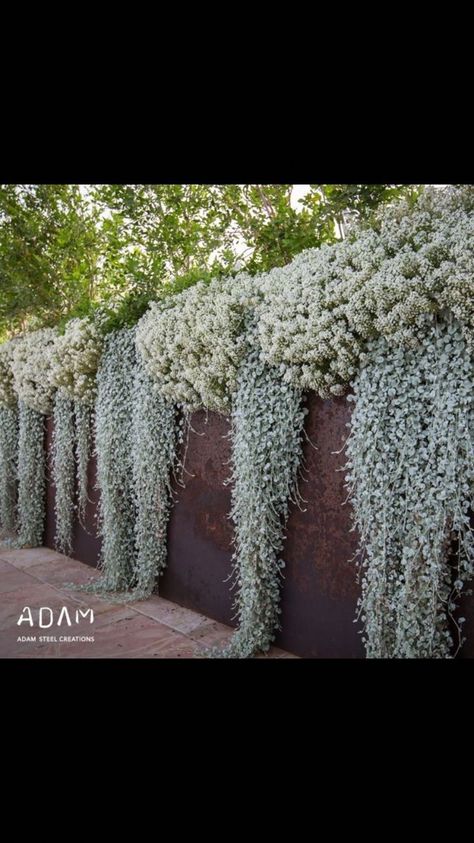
(68, 249)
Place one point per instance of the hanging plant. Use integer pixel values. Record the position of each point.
(31, 477)
(8, 466)
(113, 438)
(136, 437)
(83, 425)
(267, 427)
(63, 471)
(411, 477)
(154, 453)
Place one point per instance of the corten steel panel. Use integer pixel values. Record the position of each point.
(319, 592)
(200, 532)
(86, 544)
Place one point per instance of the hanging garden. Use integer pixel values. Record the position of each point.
(384, 318)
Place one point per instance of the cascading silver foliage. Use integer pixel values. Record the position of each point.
(83, 423)
(31, 477)
(154, 441)
(113, 437)
(267, 426)
(411, 476)
(136, 437)
(8, 466)
(63, 470)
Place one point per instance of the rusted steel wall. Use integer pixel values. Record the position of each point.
(86, 544)
(319, 592)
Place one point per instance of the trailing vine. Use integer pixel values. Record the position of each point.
(411, 476)
(8, 466)
(154, 453)
(267, 426)
(31, 476)
(136, 438)
(63, 470)
(113, 438)
(82, 425)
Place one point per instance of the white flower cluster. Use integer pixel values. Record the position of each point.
(7, 393)
(31, 365)
(411, 476)
(192, 343)
(75, 359)
(318, 313)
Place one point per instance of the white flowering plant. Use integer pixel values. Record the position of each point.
(31, 366)
(192, 343)
(75, 358)
(8, 395)
(318, 313)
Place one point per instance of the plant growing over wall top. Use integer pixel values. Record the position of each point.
(192, 343)
(75, 358)
(411, 474)
(267, 426)
(31, 366)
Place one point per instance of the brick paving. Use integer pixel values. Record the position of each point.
(152, 628)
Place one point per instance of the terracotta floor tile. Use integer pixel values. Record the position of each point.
(61, 574)
(121, 639)
(176, 648)
(14, 579)
(26, 557)
(176, 617)
(211, 634)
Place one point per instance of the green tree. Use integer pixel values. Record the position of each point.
(49, 253)
(66, 249)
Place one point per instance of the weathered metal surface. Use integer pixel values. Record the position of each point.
(199, 532)
(86, 544)
(319, 592)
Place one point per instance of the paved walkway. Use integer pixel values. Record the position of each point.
(153, 628)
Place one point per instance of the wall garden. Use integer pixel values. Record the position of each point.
(386, 316)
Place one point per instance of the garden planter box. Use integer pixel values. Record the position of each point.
(319, 591)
